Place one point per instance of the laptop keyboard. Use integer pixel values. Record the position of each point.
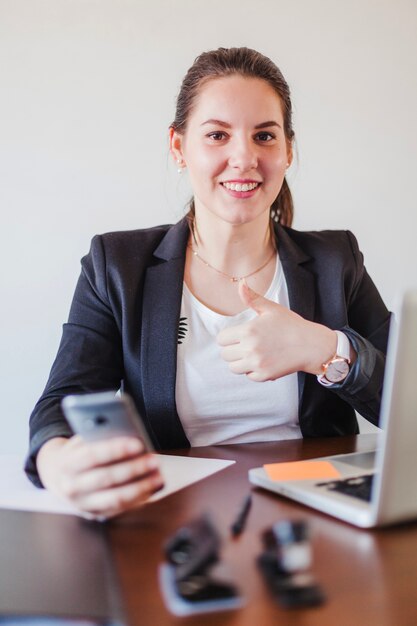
(357, 487)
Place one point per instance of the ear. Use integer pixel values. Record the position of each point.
(175, 145)
(289, 153)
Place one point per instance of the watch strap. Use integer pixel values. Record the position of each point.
(342, 351)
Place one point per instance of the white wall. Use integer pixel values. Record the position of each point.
(87, 91)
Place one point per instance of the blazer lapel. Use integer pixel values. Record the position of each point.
(300, 284)
(161, 310)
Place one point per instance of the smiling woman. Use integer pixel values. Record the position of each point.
(234, 153)
(188, 318)
(237, 63)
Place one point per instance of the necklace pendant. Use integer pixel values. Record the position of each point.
(234, 279)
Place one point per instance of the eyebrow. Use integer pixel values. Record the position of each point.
(227, 125)
(268, 124)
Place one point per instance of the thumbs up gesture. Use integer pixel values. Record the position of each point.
(276, 342)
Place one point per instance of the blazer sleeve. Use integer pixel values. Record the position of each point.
(89, 357)
(367, 330)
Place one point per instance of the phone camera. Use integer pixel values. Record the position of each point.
(100, 420)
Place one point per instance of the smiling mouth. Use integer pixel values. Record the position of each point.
(241, 186)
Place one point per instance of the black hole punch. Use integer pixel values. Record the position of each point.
(193, 548)
(285, 564)
(195, 578)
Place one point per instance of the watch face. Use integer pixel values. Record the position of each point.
(337, 371)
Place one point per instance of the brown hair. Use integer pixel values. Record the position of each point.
(246, 62)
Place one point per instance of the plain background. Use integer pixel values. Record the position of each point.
(87, 92)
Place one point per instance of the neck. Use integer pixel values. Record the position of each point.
(234, 248)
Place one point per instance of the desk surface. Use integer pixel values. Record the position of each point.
(369, 577)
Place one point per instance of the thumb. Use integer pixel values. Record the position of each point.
(252, 299)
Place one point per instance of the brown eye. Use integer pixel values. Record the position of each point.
(217, 136)
(264, 137)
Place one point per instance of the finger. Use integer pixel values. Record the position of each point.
(93, 454)
(261, 376)
(235, 352)
(258, 303)
(75, 441)
(231, 335)
(250, 368)
(111, 476)
(240, 367)
(252, 299)
(110, 502)
(257, 377)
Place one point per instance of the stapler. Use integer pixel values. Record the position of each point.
(193, 580)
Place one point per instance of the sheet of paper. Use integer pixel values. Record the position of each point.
(17, 492)
(181, 471)
(301, 470)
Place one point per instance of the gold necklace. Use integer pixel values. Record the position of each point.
(233, 279)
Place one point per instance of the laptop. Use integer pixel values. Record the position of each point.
(376, 488)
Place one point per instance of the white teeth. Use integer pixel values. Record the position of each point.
(240, 186)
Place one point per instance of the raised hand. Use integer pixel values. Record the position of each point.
(276, 342)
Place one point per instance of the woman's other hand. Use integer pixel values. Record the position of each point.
(276, 342)
(102, 478)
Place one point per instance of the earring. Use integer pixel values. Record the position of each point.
(275, 214)
(181, 166)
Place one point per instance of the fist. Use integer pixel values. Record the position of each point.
(277, 342)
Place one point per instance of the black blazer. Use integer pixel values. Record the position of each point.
(123, 330)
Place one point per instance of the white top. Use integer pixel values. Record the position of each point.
(216, 406)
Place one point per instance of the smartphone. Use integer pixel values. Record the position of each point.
(102, 415)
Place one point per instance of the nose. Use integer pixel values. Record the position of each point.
(243, 155)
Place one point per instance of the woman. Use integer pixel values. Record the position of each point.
(188, 319)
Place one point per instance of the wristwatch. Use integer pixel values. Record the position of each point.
(337, 368)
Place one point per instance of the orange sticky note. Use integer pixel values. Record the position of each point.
(301, 470)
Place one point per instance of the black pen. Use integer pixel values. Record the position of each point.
(240, 521)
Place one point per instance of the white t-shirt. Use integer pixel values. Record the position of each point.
(216, 406)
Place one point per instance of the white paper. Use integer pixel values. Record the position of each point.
(17, 492)
(181, 471)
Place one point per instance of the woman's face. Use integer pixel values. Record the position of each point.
(234, 148)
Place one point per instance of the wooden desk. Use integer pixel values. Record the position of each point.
(369, 577)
